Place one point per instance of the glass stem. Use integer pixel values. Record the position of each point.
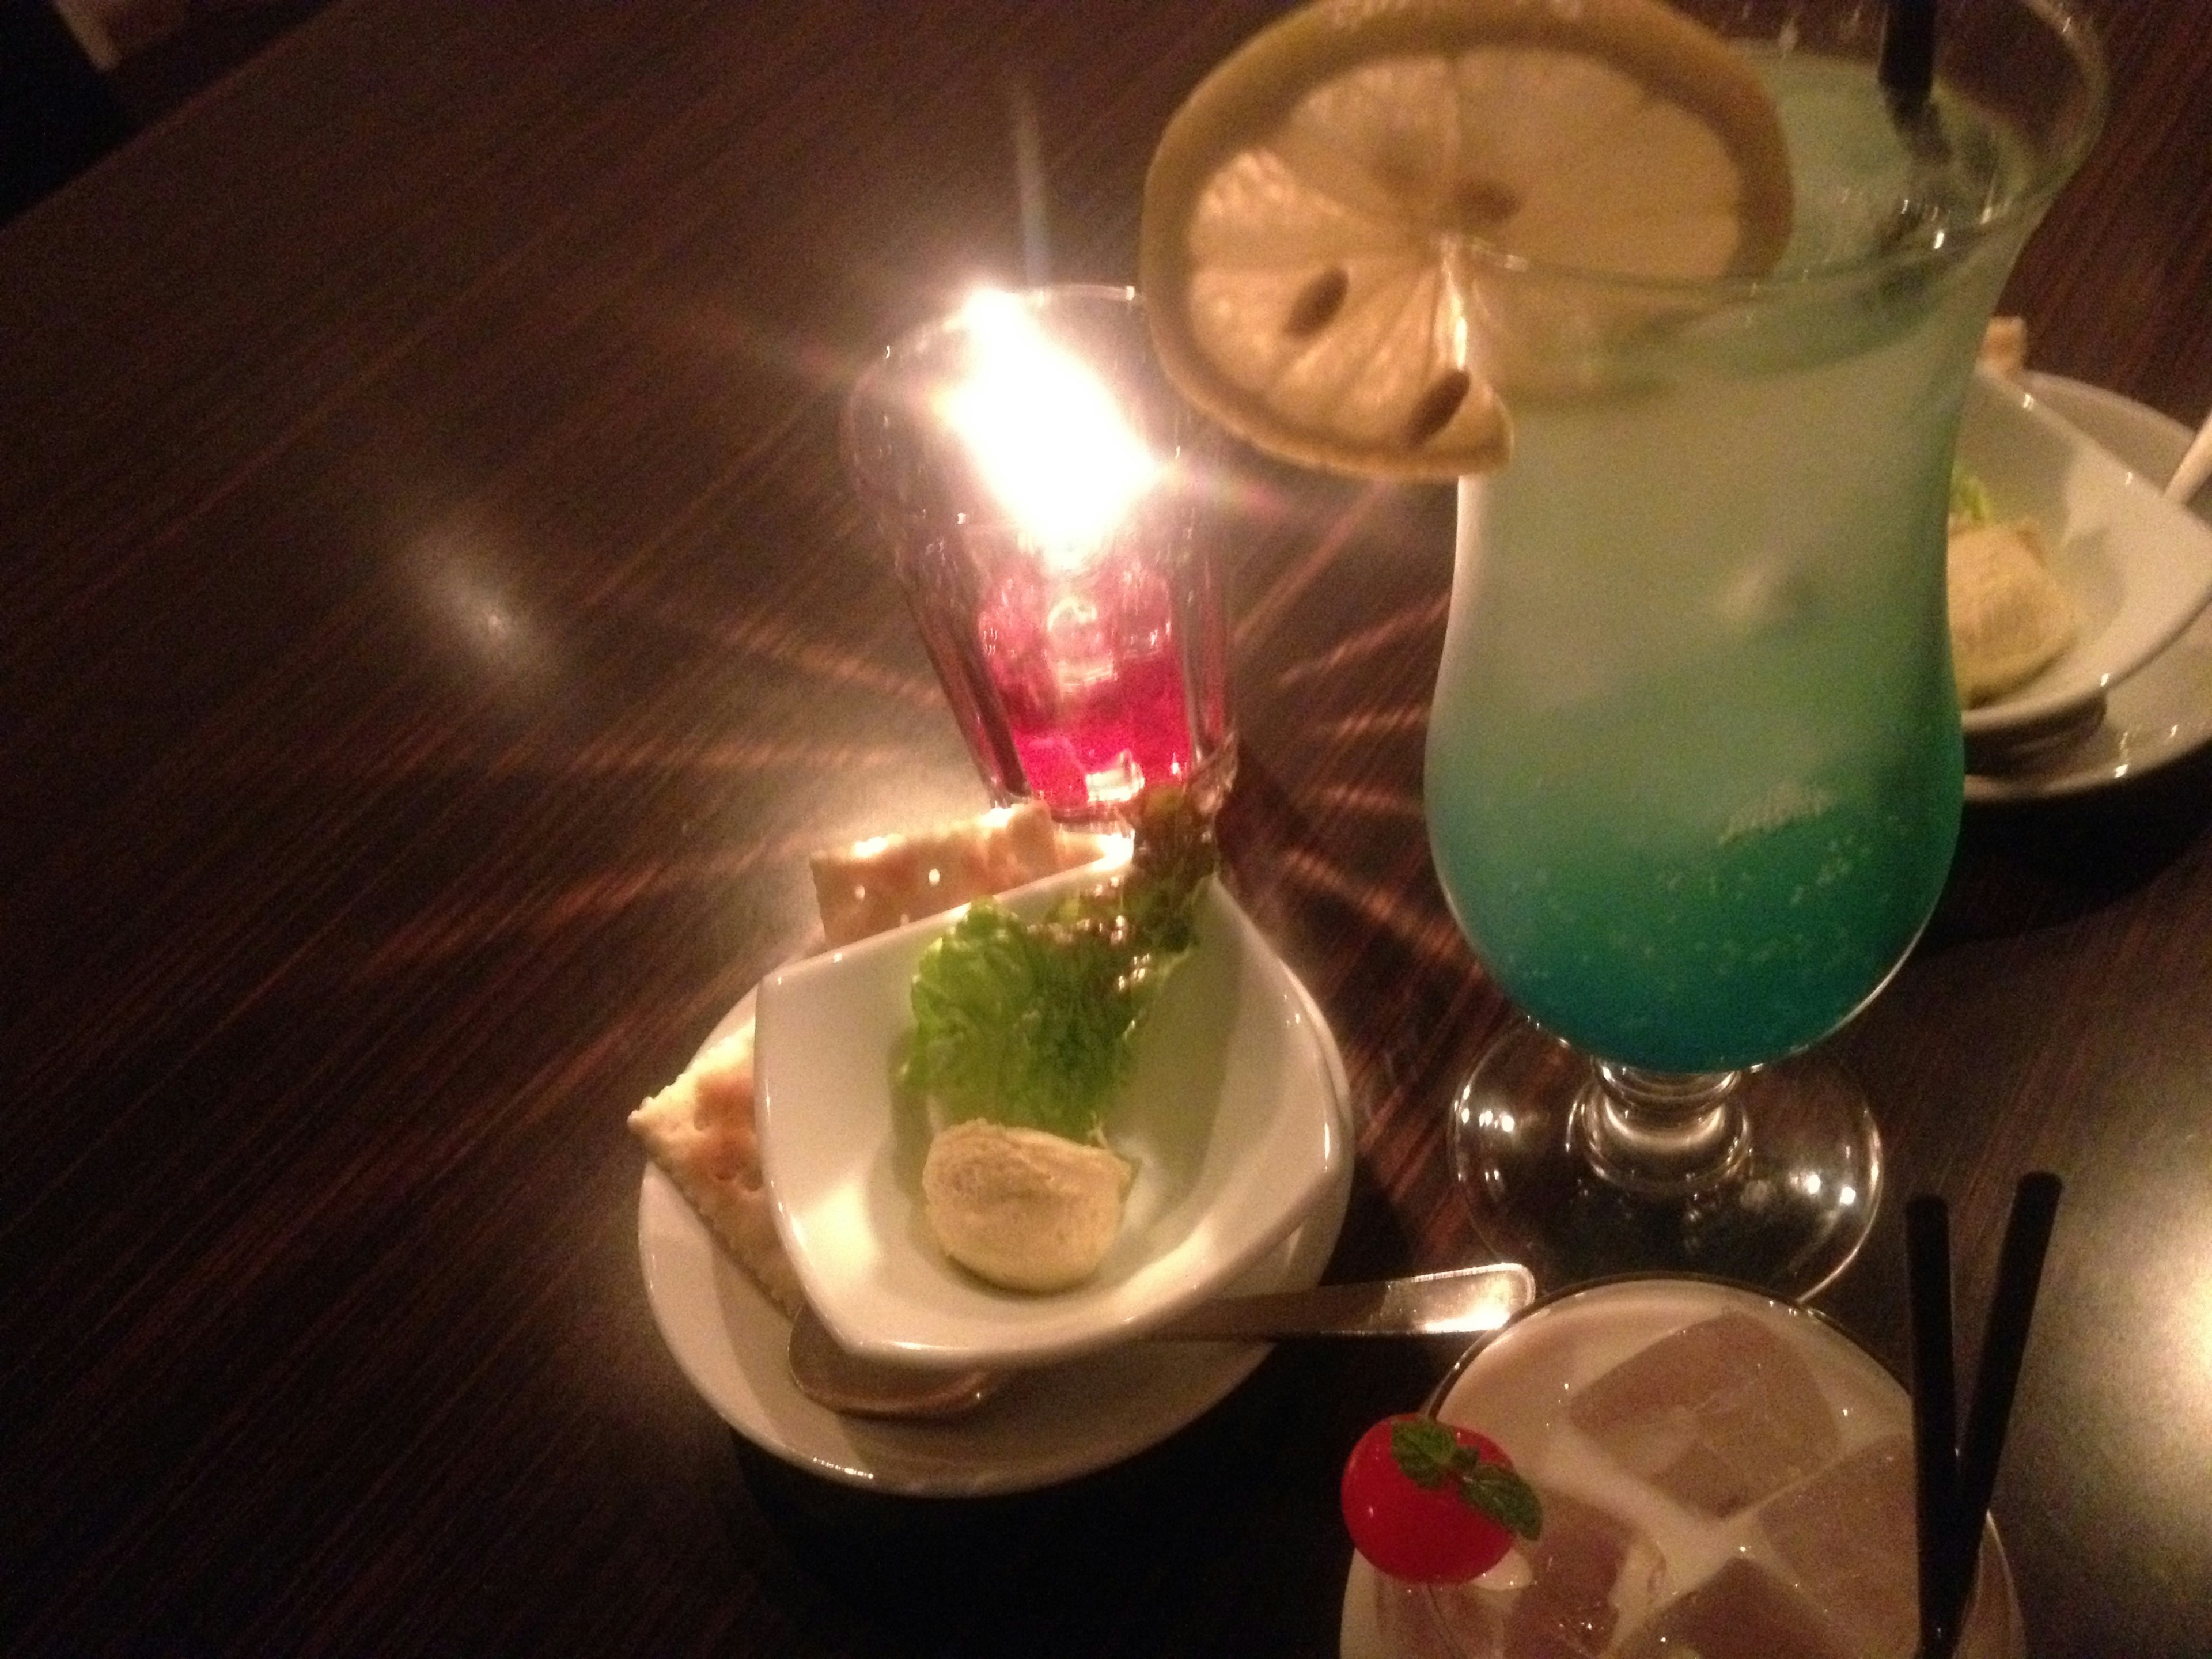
(1663, 1135)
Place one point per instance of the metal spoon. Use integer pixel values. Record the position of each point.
(1463, 1302)
(2196, 466)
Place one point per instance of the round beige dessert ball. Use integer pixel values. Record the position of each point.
(1025, 1210)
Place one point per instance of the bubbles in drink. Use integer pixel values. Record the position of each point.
(1787, 803)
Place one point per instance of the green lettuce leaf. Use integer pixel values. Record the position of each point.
(1971, 506)
(1034, 1024)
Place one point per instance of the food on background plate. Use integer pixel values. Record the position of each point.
(2005, 346)
(1024, 1031)
(700, 1129)
(2010, 618)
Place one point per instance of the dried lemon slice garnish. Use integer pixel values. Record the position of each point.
(1322, 215)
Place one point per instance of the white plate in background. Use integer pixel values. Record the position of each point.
(2137, 566)
(2163, 711)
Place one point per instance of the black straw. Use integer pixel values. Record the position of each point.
(1951, 1486)
(1907, 69)
(2004, 1345)
(1934, 1420)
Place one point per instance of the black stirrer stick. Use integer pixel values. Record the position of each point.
(2004, 1345)
(1907, 69)
(1934, 1420)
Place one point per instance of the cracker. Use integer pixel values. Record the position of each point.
(700, 1130)
(886, 881)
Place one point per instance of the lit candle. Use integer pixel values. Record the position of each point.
(1035, 471)
(1045, 433)
(1078, 628)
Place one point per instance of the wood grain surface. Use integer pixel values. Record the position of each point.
(435, 631)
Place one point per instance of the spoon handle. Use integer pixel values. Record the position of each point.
(1456, 1303)
(2196, 466)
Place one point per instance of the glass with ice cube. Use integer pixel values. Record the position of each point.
(1720, 1472)
(1045, 495)
(1693, 767)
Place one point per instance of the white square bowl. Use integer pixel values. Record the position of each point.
(1231, 1115)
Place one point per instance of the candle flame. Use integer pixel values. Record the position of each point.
(1044, 432)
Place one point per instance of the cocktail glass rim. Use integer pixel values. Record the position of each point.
(2074, 31)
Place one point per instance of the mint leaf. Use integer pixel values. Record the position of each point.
(1505, 1497)
(1430, 1454)
(1426, 1451)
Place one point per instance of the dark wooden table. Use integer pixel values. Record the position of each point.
(435, 631)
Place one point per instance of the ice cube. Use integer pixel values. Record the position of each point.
(1568, 1611)
(1567, 1608)
(1717, 1416)
(1848, 1535)
(1741, 1611)
(1403, 1626)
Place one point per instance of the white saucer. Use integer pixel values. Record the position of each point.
(2135, 568)
(1046, 1426)
(2162, 711)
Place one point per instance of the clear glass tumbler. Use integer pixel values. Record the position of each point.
(1046, 494)
(1694, 769)
(1742, 1484)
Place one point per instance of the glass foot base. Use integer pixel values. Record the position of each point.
(1788, 1212)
